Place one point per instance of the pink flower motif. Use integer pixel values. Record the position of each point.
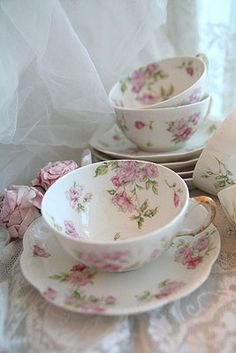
(185, 134)
(190, 71)
(38, 251)
(194, 118)
(193, 262)
(169, 289)
(19, 208)
(70, 229)
(128, 171)
(122, 200)
(139, 124)
(136, 88)
(176, 199)
(117, 255)
(50, 293)
(116, 137)
(116, 181)
(138, 77)
(74, 193)
(78, 267)
(148, 98)
(151, 67)
(151, 170)
(110, 300)
(183, 255)
(202, 243)
(79, 278)
(53, 171)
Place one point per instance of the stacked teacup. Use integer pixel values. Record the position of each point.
(161, 105)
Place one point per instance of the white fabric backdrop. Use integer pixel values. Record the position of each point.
(60, 58)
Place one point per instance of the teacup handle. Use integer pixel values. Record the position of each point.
(210, 205)
(203, 57)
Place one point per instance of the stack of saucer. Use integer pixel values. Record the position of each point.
(113, 144)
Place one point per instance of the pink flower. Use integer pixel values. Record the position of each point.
(78, 267)
(151, 67)
(138, 77)
(136, 88)
(50, 293)
(116, 181)
(169, 289)
(151, 170)
(148, 98)
(202, 243)
(79, 278)
(128, 171)
(116, 137)
(193, 262)
(74, 193)
(185, 134)
(53, 171)
(19, 208)
(139, 124)
(70, 229)
(194, 118)
(176, 199)
(183, 255)
(190, 71)
(110, 299)
(38, 251)
(122, 200)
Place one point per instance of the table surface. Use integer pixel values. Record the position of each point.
(204, 320)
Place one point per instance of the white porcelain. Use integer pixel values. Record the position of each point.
(227, 199)
(166, 83)
(216, 166)
(176, 166)
(72, 286)
(114, 143)
(117, 215)
(163, 129)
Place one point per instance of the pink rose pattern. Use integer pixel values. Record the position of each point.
(177, 191)
(129, 177)
(191, 253)
(142, 84)
(19, 207)
(78, 275)
(70, 229)
(77, 299)
(109, 261)
(182, 129)
(78, 199)
(39, 251)
(165, 289)
(53, 171)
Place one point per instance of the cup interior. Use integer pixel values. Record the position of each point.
(114, 201)
(157, 82)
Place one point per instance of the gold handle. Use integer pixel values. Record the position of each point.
(211, 207)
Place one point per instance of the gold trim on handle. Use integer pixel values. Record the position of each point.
(211, 205)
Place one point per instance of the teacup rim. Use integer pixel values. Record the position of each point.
(134, 239)
(199, 59)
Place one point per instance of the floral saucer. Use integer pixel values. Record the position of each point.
(114, 143)
(71, 285)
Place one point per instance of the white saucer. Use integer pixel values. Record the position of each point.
(68, 284)
(114, 143)
(176, 166)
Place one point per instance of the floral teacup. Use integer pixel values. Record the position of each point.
(227, 199)
(119, 215)
(166, 83)
(162, 129)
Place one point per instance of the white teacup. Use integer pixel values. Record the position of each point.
(216, 167)
(119, 215)
(227, 199)
(162, 129)
(166, 83)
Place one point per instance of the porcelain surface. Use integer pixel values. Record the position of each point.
(70, 285)
(168, 82)
(114, 143)
(163, 129)
(215, 169)
(227, 199)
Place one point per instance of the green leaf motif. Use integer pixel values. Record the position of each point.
(123, 86)
(111, 192)
(144, 206)
(101, 170)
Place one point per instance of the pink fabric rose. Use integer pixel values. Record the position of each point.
(18, 208)
(53, 171)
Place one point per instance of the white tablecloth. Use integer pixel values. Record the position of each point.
(203, 321)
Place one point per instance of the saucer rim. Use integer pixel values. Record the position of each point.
(204, 273)
(173, 156)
